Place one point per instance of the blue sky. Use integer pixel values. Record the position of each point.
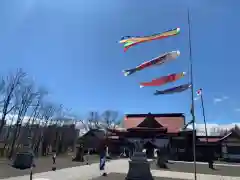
(70, 47)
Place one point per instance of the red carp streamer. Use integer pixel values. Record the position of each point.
(163, 80)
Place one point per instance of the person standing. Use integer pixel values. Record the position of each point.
(87, 156)
(54, 161)
(210, 159)
(103, 160)
(33, 165)
(81, 151)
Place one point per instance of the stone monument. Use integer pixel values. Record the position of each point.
(139, 167)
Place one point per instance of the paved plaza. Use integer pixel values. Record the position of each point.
(121, 176)
(117, 169)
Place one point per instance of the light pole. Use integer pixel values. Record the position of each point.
(192, 95)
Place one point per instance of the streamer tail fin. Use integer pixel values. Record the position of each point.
(128, 72)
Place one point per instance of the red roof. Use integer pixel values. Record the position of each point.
(173, 122)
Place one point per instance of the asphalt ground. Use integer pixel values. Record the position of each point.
(43, 164)
(222, 170)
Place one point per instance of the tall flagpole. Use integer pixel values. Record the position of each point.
(204, 117)
(192, 92)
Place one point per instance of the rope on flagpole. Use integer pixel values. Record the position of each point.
(204, 117)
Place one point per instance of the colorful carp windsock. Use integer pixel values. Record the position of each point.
(163, 80)
(130, 41)
(156, 61)
(173, 90)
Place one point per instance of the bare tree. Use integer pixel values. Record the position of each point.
(93, 120)
(119, 122)
(47, 113)
(109, 118)
(2, 88)
(9, 129)
(237, 129)
(32, 125)
(11, 84)
(65, 122)
(61, 115)
(36, 106)
(223, 132)
(21, 104)
(25, 96)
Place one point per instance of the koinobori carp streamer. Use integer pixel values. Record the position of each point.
(163, 80)
(177, 89)
(130, 41)
(156, 61)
